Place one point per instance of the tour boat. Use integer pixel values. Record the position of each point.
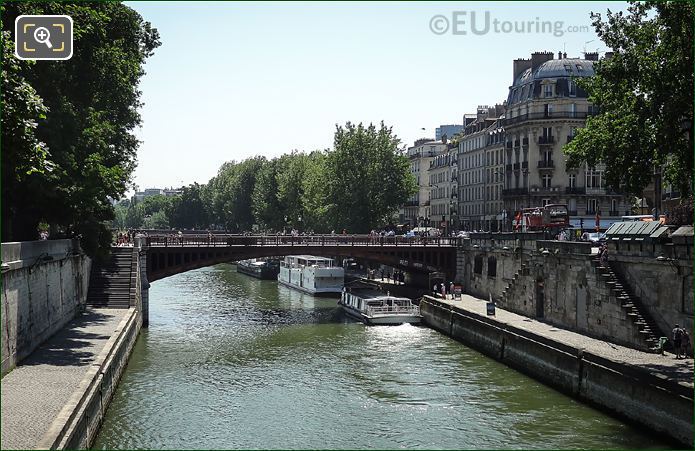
(259, 268)
(373, 307)
(314, 275)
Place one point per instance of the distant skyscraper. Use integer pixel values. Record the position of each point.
(448, 130)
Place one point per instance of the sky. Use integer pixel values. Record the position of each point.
(232, 80)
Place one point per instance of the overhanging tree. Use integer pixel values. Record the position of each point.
(92, 102)
(645, 96)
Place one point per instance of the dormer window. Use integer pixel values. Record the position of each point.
(572, 88)
(579, 67)
(548, 90)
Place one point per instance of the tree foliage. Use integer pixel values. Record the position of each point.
(92, 101)
(356, 186)
(645, 96)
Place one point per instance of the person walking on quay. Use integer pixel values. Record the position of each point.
(685, 343)
(677, 336)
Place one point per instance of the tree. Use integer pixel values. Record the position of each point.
(187, 210)
(367, 177)
(24, 156)
(267, 210)
(157, 220)
(645, 96)
(232, 189)
(290, 179)
(92, 102)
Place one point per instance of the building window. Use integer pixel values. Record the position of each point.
(614, 205)
(572, 88)
(591, 206)
(545, 202)
(548, 90)
(594, 178)
(572, 180)
(546, 179)
(492, 267)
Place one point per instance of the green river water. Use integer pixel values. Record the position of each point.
(230, 361)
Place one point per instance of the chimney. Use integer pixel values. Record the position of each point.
(591, 56)
(520, 65)
(538, 58)
(564, 55)
(559, 55)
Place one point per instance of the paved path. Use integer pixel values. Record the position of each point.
(37, 390)
(664, 366)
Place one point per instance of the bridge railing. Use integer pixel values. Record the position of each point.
(301, 240)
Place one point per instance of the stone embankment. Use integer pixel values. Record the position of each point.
(653, 390)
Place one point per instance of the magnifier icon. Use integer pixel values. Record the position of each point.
(42, 36)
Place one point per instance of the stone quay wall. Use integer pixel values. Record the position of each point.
(80, 420)
(556, 281)
(663, 406)
(44, 285)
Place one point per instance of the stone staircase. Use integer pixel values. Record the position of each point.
(112, 283)
(648, 329)
(507, 292)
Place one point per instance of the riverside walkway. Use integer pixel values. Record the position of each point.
(38, 394)
(665, 366)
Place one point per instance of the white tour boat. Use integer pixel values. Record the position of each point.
(310, 274)
(373, 307)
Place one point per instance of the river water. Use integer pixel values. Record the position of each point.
(230, 361)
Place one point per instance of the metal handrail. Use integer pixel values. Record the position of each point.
(302, 240)
(400, 309)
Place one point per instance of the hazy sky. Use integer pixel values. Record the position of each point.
(233, 80)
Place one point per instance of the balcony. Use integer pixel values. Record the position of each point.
(524, 165)
(547, 116)
(426, 203)
(412, 203)
(545, 189)
(546, 164)
(514, 192)
(509, 145)
(595, 191)
(509, 167)
(546, 140)
(517, 166)
(517, 143)
(575, 190)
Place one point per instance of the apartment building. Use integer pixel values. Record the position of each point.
(416, 211)
(545, 107)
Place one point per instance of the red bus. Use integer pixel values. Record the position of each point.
(552, 216)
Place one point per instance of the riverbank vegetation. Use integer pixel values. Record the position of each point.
(356, 186)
